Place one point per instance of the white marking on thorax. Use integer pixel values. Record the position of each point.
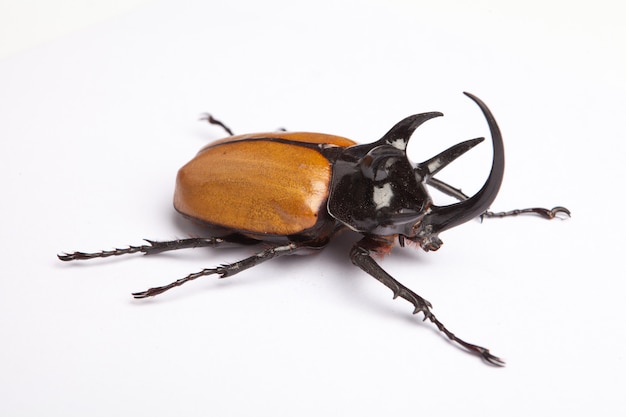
(382, 195)
(398, 144)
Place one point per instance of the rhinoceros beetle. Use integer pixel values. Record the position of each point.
(295, 191)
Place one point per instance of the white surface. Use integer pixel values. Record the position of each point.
(27, 23)
(94, 125)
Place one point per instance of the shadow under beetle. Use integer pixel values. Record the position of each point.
(295, 191)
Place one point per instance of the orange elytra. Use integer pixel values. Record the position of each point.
(261, 184)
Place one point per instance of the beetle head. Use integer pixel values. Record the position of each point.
(376, 190)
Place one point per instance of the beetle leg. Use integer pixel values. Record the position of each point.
(150, 249)
(214, 121)
(549, 214)
(447, 189)
(225, 270)
(558, 211)
(361, 257)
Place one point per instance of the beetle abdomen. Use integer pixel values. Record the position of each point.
(263, 184)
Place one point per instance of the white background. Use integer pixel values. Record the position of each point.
(94, 123)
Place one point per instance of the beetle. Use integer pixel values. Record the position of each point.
(294, 191)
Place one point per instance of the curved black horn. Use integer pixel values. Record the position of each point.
(399, 135)
(438, 162)
(446, 217)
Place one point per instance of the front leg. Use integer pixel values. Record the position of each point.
(549, 214)
(360, 256)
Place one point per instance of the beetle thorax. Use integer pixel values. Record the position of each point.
(375, 191)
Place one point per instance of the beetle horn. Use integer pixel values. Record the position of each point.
(435, 164)
(446, 217)
(399, 135)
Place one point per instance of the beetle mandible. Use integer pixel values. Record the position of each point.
(327, 184)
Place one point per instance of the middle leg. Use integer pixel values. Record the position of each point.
(225, 270)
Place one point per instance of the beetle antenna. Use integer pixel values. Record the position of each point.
(209, 118)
